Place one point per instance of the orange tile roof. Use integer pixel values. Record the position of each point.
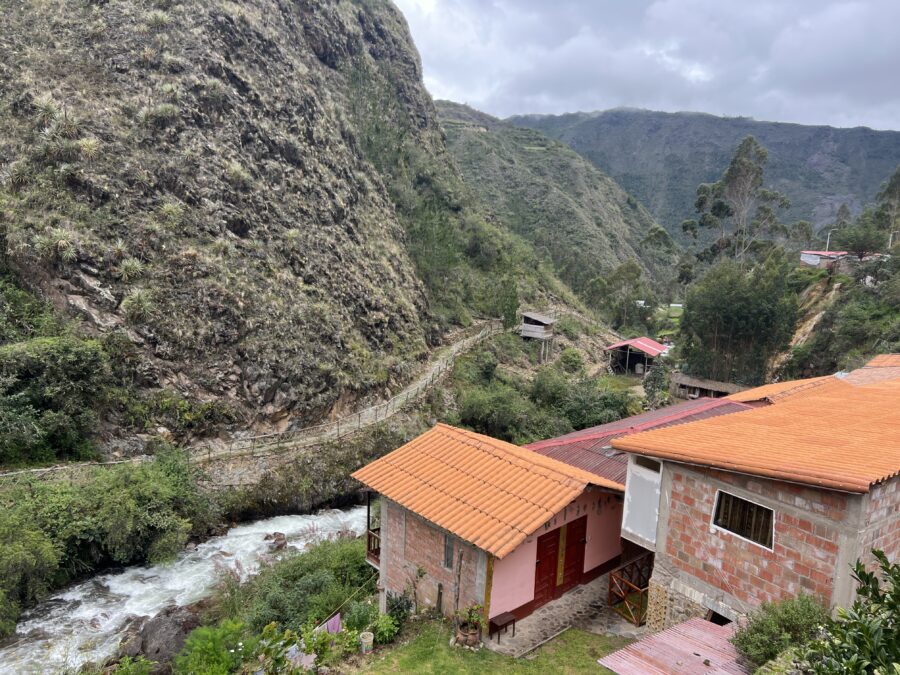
(778, 389)
(491, 493)
(836, 435)
(885, 361)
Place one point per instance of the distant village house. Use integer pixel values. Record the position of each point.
(635, 355)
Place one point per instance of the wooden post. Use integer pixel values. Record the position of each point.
(459, 561)
(488, 583)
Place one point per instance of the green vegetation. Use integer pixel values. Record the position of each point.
(575, 217)
(864, 638)
(735, 320)
(660, 158)
(777, 626)
(254, 624)
(425, 649)
(494, 399)
(864, 320)
(52, 382)
(52, 532)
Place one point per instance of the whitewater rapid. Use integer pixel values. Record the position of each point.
(85, 623)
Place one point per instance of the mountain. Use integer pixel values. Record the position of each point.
(571, 212)
(660, 158)
(253, 198)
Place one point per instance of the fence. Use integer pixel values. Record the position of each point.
(267, 444)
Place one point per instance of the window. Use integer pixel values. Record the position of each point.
(448, 551)
(746, 519)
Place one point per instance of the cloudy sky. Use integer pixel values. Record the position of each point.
(809, 61)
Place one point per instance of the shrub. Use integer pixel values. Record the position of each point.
(237, 175)
(159, 116)
(588, 405)
(866, 637)
(215, 650)
(571, 360)
(158, 19)
(360, 615)
(385, 629)
(49, 388)
(135, 666)
(88, 148)
(399, 606)
(776, 626)
(130, 269)
(138, 305)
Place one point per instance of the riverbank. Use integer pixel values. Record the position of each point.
(86, 622)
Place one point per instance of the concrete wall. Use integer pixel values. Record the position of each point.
(700, 567)
(513, 576)
(410, 544)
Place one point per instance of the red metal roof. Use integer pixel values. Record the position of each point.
(691, 648)
(589, 449)
(647, 345)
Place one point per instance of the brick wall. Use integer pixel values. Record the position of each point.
(409, 544)
(807, 533)
(882, 522)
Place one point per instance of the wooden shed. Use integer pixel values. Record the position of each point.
(536, 326)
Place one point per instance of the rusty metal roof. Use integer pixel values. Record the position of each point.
(833, 435)
(589, 449)
(488, 492)
(694, 647)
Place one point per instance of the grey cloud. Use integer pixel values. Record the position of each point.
(810, 61)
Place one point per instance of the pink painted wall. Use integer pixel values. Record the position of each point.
(513, 582)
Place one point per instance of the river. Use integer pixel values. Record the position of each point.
(85, 622)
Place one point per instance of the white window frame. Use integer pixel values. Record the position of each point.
(713, 526)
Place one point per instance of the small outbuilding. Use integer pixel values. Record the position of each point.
(635, 355)
(821, 259)
(536, 326)
(690, 387)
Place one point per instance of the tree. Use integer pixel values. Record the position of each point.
(843, 216)
(735, 320)
(618, 293)
(866, 637)
(656, 384)
(889, 200)
(738, 205)
(866, 236)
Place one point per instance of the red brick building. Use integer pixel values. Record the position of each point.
(769, 502)
(466, 516)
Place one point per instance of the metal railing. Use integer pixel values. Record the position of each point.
(628, 588)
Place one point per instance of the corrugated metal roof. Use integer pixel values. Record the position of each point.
(830, 254)
(537, 316)
(647, 345)
(833, 435)
(704, 383)
(488, 492)
(694, 647)
(588, 449)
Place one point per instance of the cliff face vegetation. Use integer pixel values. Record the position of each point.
(660, 158)
(254, 197)
(575, 216)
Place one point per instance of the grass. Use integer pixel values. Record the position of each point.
(426, 649)
(619, 382)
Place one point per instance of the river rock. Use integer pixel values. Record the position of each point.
(162, 637)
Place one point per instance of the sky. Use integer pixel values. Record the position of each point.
(808, 61)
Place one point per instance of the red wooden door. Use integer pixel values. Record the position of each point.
(545, 567)
(573, 564)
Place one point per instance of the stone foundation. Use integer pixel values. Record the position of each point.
(667, 607)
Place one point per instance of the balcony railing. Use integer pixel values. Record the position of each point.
(373, 546)
(628, 588)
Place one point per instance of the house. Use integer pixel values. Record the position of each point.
(769, 502)
(635, 355)
(821, 259)
(467, 519)
(591, 450)
(686, 386)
